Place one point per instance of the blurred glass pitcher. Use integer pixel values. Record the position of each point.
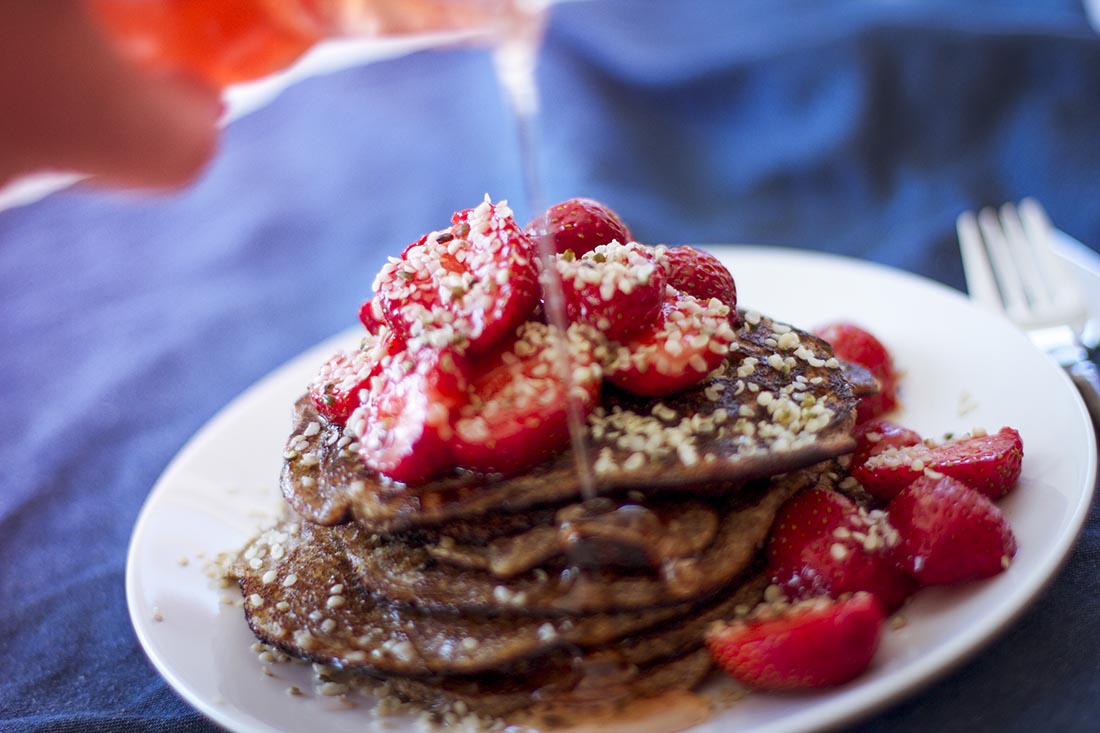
(228, 41)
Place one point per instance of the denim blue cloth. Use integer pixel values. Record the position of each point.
(860, 127)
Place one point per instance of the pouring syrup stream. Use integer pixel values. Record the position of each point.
(514, 58)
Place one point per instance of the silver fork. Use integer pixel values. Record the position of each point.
(1011, 266)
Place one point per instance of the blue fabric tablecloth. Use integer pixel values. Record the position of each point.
(860, 128)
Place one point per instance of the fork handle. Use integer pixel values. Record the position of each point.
(1086, 376)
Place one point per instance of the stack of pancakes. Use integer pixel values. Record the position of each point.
(494, 594)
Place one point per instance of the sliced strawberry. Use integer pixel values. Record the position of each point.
(371, 316)
(618, 288)
(813, 644)
(855, 344)
(516, 414)
(824, 544)
(336, 390)
(834, 566)
(580, 225)
(404, 424)
(466, 287)
(988, 463)
(804, 518)
(877, 435)
(689, 339)
(698, 273)
(949, 532)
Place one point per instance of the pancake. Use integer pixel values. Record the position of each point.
(780, 402)
(366, 633)
(407, 575)
(602, 532)
(305, 594)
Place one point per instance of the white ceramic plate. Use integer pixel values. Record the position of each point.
(964, 368)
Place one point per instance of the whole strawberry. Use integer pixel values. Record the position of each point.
(818, 643)
(698, 273)
(949, 532)
(580, 225)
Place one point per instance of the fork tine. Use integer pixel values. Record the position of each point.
(1058, 281)
(1004, 267)
(979, 277)
(1024, 251)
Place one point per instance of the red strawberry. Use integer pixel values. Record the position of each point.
(618, 288)
(698, 273)
(335, 391)
(877, 435)
(823, 544)
(404, 424)
(516, 413)
(949, 532)
(689, 339)
(813, 644)
(852, 343)
(988, 463)
(371, 316)
(580, 225)
(468, 287)
(812, 514)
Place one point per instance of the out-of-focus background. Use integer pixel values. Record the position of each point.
(857, 127)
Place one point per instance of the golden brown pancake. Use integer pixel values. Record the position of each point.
(409, 575)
